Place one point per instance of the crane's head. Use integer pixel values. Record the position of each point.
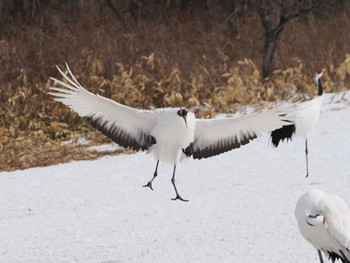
(319, 73)
(182, 112)
(315, 220)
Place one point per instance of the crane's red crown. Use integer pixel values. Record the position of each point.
(182, 111)
(320, 70)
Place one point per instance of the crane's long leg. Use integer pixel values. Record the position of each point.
(345, 259)
(307, 159)
(149, 184)
(320, 256)
(173, 182)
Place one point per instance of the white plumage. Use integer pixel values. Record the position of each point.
(171, 134)
(305, 117)
(324, 221)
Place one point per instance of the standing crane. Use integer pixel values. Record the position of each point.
(305, 116)
(324, 221)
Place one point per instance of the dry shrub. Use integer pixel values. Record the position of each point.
(342, 73)
(242, 83)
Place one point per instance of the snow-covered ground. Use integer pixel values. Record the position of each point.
(241, 206)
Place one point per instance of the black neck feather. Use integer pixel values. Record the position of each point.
(320, 87)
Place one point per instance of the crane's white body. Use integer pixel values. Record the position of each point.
(329, 231)
(306, 116)
(171, 134)
(168, 149)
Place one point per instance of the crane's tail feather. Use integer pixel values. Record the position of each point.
(281, 134)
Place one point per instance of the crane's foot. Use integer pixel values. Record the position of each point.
(178, 197)
(149, 184)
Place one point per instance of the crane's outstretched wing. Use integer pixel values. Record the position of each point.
(216, 136)
(126, 126)
(337, 219)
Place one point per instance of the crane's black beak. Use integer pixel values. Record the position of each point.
(185, 119)
(182, 112)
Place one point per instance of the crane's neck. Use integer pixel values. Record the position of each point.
(320, 87)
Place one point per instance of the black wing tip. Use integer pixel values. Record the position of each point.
(219, 147)
(333, 256)
(121, 137)
(188, 151)
(281, 134)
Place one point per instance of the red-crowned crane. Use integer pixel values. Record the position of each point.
(324, 221)
(305, 116)
(171, 134)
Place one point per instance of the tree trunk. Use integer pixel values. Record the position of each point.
(271, 42)
(272, 36)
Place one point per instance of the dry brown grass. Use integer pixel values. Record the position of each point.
(190, 62)
(38, 142)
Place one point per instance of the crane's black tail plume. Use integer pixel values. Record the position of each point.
(281, 134)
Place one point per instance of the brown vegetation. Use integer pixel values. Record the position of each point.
(190, 58)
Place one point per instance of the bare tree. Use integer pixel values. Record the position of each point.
(274, 15)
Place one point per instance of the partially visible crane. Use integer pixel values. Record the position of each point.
(324, 221)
